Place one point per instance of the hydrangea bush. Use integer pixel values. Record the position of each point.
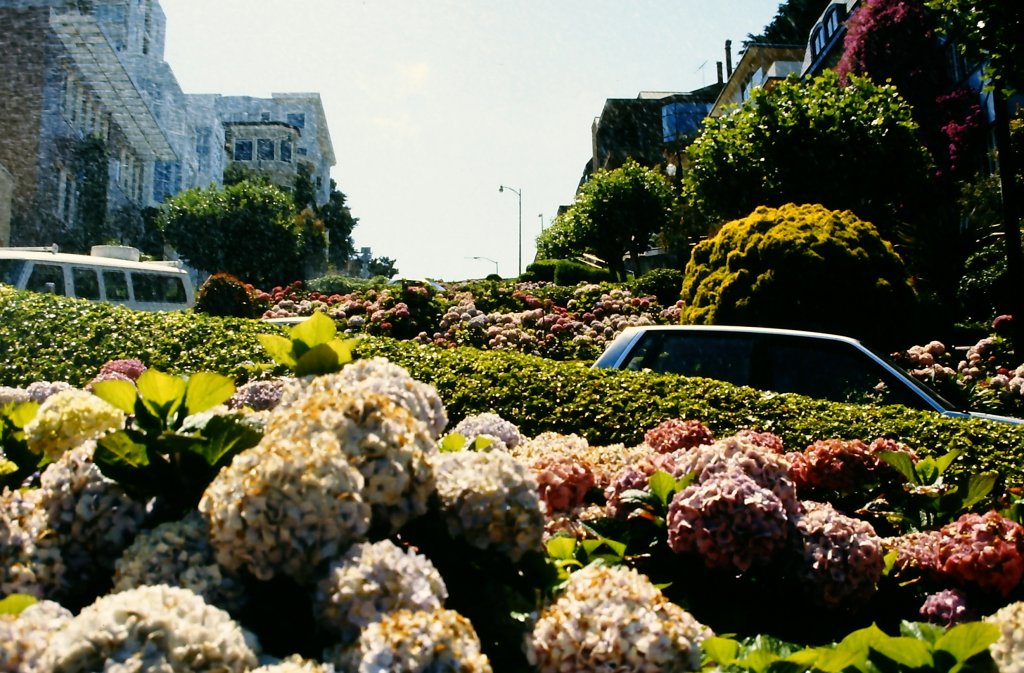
(345, 536)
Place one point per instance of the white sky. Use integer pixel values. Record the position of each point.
(434, 104)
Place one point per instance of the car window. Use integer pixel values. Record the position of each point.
(46, 278)
(829, 370)
(725, 357)
(116, 285)
(86, 282)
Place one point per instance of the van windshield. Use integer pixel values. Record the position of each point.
(10, 270)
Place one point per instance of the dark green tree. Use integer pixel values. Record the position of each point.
(792, 22)
(619, 211)
(338, 223)
(382, 266)
(848, 147)
(247, 229)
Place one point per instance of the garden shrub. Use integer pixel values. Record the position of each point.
(43, 337)
(226, 296)
(344, 284)
(565, 272)
(664, 284)
(542, 270)
(801, 267)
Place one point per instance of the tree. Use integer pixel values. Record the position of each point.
(382, 266)
(338, 223)
(247, 229)
(792, 22)
(617, 212)
(848, 147)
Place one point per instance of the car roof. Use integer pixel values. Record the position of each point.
(743, 329)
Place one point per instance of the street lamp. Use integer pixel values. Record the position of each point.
(541, 216)
(519, 194)
(488, 259)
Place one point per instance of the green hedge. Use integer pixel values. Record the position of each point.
(53, 338)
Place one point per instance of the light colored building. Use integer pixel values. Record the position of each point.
(6, 193)
(91, 114)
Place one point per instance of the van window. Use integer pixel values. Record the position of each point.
(46, 278)
(86, 283)
(116, 285)
(158, 288)
(10, 270)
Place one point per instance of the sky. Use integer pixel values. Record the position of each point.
(434, 105)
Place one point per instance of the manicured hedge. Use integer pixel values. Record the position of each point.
(53, 338)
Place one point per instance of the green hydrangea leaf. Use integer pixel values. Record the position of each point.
(118, 450)
(20, 414)
(315, 330)
(161, 394)
(7, 467)
(963, 641)
(452, 442)
(721, 651)
(909, 652)
(901, 462)
(943, 462)
(663, 485)
(15, 603)
(323, 359)
(978, 488)
(121, 394)
(279, 349)
(561, 547)
(206, 390)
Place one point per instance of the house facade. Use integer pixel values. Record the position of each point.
(97, 129)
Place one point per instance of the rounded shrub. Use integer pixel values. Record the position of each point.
(226, 296)
(800, 267)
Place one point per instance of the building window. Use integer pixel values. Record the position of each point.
(243, 150)
(264, 116)
(301, 151)
(297, 119)
(166, 180)
(286, 151)
(265, 149)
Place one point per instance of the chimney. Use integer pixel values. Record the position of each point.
(721, 78)
(728, 58)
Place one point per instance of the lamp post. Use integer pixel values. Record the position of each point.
(541, 216)
(488, 259)
(519, 195)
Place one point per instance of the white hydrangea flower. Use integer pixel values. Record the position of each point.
(378, 375)
(489, 424)
(1008, 651)
(24, 637)
(372, 579)
(179, 553)
(382, 440)
(284, 506)
(614, 619)
(491, 500)
(407, 640)
(94, 519)
(30, 558)
(295, 664)
(152, 628)
(69, 418)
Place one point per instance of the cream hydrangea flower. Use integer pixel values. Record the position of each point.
(69, 418)
(1008, 651)
(612, 618)
(152, 628)
(407, 640)
(24, 637)
(381, 439)
(295, 664)
(30, 558)
(490, 500)
(372, 579)
(179, 553)
(378, 375)
(284, 506)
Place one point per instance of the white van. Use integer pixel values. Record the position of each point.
(112, 273)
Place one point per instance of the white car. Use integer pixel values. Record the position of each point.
(825, 366)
